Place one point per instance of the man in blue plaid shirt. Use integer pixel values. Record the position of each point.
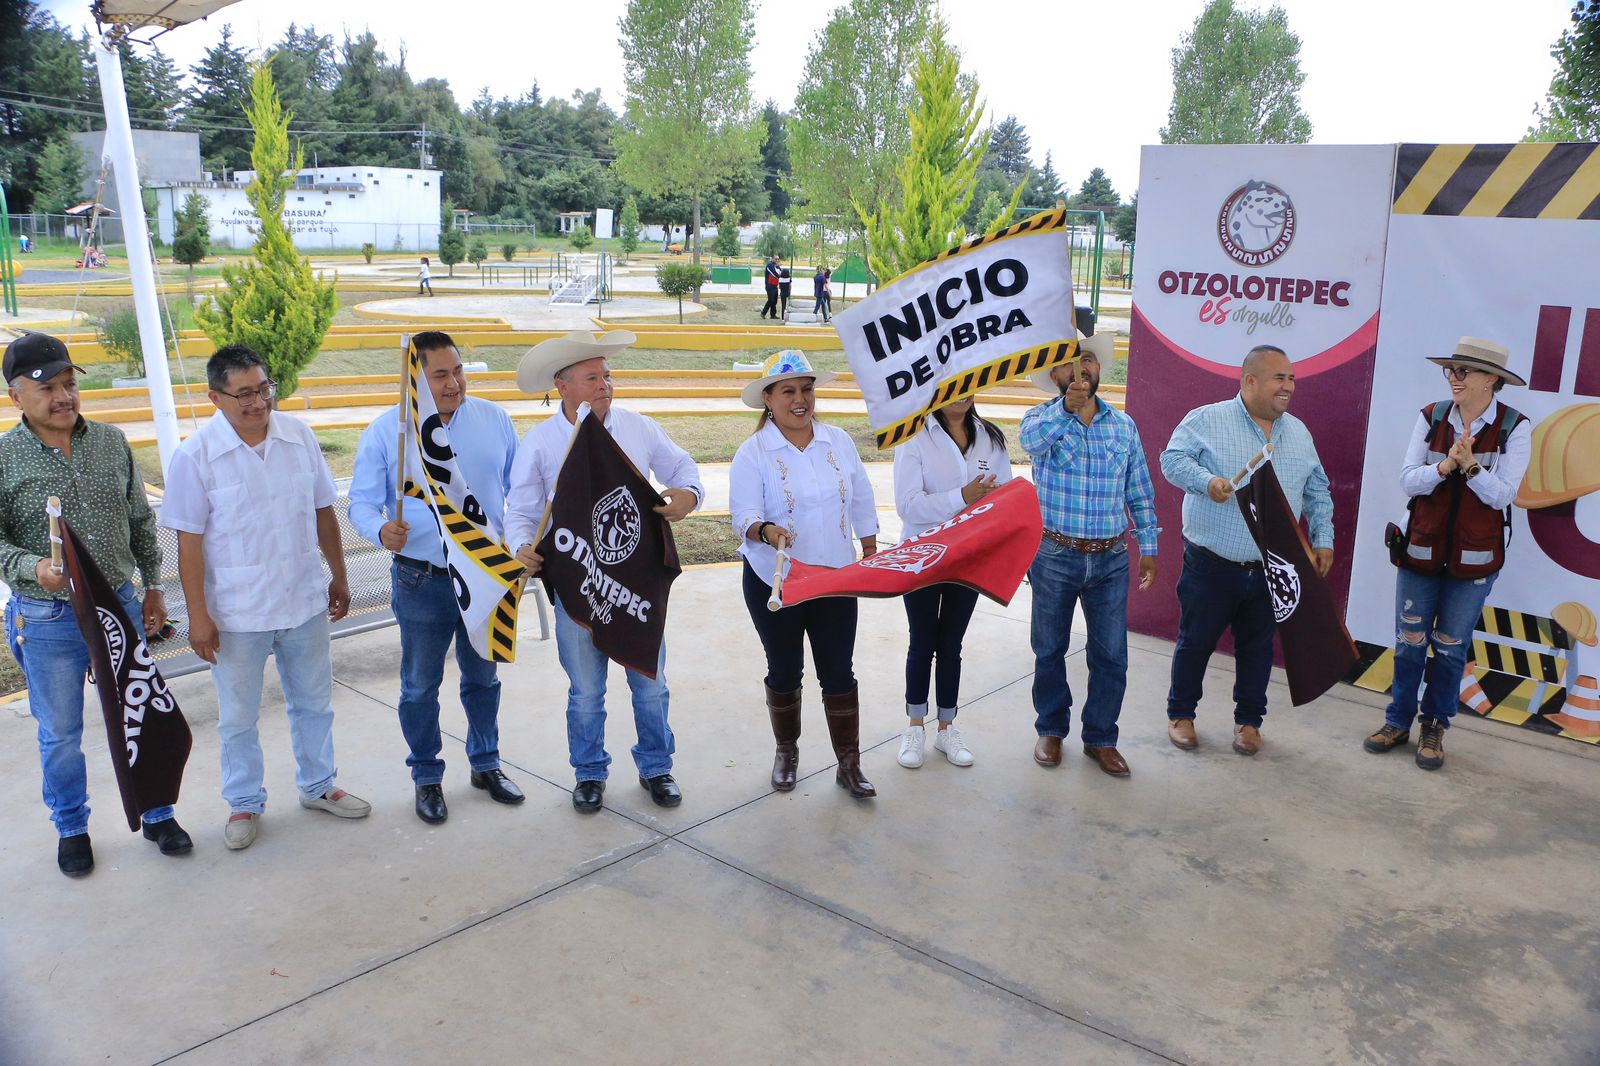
(1223, 584)
(1090, 470)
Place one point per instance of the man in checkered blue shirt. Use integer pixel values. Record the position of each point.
(1090, 470)
(1223, 584)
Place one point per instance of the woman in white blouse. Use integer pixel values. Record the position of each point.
(957, 459)
(798, 485)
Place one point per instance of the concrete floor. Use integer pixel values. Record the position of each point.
(1315, 904)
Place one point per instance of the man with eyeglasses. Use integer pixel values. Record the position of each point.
(55, 451)
(485, 443)
(251, 500)
(1224, 585)
(1462, 470)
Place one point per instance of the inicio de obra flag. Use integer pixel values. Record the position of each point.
(988, 547)
(486, 576)
(608, 555)
(1317, 649)
(145, 731)
(995, 308)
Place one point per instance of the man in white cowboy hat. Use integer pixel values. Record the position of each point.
(575, 367)
(1462, 468)
(484, 442)
(1090, 470)
(1223, 585)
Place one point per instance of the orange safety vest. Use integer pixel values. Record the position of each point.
(1452, 531)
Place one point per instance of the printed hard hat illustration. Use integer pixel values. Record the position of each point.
(1564, 463)
(1578, 621)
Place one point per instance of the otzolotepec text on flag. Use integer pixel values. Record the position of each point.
(485, 575)
(995, 308)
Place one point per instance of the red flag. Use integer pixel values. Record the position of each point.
(147, 734)
(988, 546)
(1317, 649)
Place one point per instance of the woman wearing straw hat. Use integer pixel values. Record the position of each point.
(799, 486)
(1466, 458)
(956, 460)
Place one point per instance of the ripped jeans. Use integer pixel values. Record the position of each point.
(1442, 611)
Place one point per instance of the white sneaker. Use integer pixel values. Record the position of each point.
(240, 832)
(953, 745)
(911, 747)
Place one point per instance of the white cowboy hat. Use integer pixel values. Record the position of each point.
(1101, 346)
(537, 371)
(1480, 355)
(782, 367)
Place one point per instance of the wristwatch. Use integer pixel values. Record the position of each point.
(1473, 471)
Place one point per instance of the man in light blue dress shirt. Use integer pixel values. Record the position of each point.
(485, 443)
(1223, 584)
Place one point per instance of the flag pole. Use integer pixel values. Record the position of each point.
(405, 426)
(775, 601)
(1249, 468)
(550, 505)
(52, 507)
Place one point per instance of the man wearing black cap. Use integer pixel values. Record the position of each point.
(57, 452)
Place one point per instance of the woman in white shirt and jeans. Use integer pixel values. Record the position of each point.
(798, 485)
(956, 460)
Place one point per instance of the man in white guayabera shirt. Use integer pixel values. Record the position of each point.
(251, 499)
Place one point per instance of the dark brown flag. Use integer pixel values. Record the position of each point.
(147, 734)
(1317, 649)
(609, 557)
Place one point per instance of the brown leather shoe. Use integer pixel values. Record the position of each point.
(1109, 761)
(1246, 739)
(1047, 751)
(1181, 732)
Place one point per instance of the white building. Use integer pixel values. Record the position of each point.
(392, 208)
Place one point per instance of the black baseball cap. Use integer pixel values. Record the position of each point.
(37, 357)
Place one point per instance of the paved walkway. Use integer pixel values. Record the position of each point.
(1312, 905)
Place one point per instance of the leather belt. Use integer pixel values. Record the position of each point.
(418, 564)
(1082, 544)
(1253, 564)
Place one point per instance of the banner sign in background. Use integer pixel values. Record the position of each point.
(992, 309)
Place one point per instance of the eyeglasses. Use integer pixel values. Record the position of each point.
(1459, 373)
(249, 397)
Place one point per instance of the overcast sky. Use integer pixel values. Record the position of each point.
(1089, 82)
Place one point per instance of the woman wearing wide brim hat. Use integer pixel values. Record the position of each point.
(1462, 468)
(798, 485)
(537, 370)
(1102, 346)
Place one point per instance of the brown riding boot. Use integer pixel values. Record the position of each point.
(844, 728)
(784, 710)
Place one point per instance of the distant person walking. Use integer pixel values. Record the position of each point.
(424, 278)
(771, 275)
(785, 287)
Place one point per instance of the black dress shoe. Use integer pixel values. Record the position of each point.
(74, 855)
(664, 791)
(169, 836)
(586, 797)
(430, 804)
(501, 788)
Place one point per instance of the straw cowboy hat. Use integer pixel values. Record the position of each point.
(537, 371)
(784, 366)
(1480, 354)
(1100, 346)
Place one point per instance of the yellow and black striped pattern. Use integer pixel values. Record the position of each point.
(1549, 181)
(973, 381)
(1043, 222)
(471, 541)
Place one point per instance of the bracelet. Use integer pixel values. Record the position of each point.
(761, 533)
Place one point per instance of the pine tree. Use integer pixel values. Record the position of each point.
(988, 212)
(727, 242)
(60, 180)
(1046, 187)
(191, 236)
(221, 81)
(630, 228)
(274, 304)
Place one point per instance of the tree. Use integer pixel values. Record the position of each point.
(581, 236)
(778, 239)
(1045, 188)
(775, 165)
(689, 121)
(680, 280)
(727, 243)
(988, 211)
(477, 252)
(508, 251)
(1097, 194)
(191, 236)
(630, 228)
(1571, 108)
(1008, 150)
(939, 174)
(274, 304)
(60, 176)
(452, 248)
(1126, 224)
(1236, 80)
(850, 126)
(220, 81)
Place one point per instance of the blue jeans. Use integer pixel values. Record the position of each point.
(938, 616)
(425, 607)
(44, 637)
(1444, 610)
(305, 667)
(1214, 594)
(587, 667)
(1061, 578)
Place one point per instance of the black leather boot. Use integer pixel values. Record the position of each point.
(784, 710)
(844, 728)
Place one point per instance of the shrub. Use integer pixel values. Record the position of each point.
(581, 236)
(509, 251)
(369, 250)
(118, 332)
(477, 252)
(681, 279)
(452, 249)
